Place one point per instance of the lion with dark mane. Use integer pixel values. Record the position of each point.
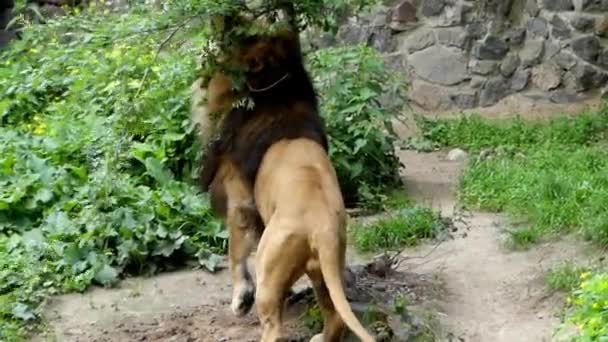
(269, 175)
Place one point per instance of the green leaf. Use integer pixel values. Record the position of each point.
(107, 275)
(44, 195)
(23, 312)
(155, 169)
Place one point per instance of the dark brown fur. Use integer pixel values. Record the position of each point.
(288, 110)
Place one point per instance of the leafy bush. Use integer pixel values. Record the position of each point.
(351, 82)
(555, 174)
(589, 312)
(98, 159)
(406, 227)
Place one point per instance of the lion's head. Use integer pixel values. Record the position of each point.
(269, 59)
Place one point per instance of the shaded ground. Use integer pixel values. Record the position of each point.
(194, 306)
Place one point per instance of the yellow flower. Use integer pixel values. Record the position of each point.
(40, 129)
(585, 275)
(569, 300)
(583, 285)
(9, 62)
(594, 322)
(76, 10)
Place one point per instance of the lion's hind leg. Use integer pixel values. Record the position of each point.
(280, 262)
(334, 327)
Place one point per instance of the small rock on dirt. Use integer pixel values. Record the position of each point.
(457, 155)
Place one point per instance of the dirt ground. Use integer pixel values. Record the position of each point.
(488, 292)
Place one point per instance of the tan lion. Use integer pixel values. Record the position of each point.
(270, 177)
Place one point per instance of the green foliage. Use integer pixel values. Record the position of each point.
(96, 166)
(589, 311)
(351, 82)
(565, 278)
(406, 227)
(555, 175)
(98, 159)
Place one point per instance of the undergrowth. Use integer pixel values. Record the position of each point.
(405, 227)
(98, 160)
(586, 317)
(555, 174)
(566, 277)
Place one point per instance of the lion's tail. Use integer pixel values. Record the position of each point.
(332, 274)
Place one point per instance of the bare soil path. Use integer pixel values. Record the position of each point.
(493, 294)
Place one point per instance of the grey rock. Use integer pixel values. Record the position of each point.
(476, 30)
(464, 100)
(558, 5)
(570, 82)
(493, 90)
(600, 79)
(602, 60)
(403, 16)
(457, 155)
(537, 28)
(588, 48)
(510, 64)
(354, 33)
(482, 67)
(419, 40)
(552, 48)
(395, 61)
(582, 23)
(439, 65)
(451, 16)
(601, 27)
(477, 82)
(515, 37)
(432, 8)
(382, 40)
(532, 8)
(583, 77)
(455, 36)
(430, 96)
(547, 76)
(595, 5)
(491, 48)
(560, 29)
(520, 79)
(562, 96)
(379, 16)
(532, 52)
(565, 60)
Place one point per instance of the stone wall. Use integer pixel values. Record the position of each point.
(467, 54)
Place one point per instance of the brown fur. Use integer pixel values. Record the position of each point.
(279, 149)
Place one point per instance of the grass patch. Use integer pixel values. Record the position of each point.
(553, 174)
(566, 277)
(402, 228)
(475, 133)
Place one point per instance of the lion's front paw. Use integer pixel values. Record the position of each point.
(242, 299)
(317, 338)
